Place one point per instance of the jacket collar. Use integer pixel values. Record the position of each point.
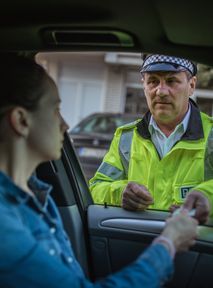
(194, 130)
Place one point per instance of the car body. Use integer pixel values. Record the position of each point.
(105, 238)
(92, 137)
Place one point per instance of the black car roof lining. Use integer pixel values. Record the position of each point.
(156, 26)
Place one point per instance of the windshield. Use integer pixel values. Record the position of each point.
(103, 124)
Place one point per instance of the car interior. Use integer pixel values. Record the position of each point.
(106, 238)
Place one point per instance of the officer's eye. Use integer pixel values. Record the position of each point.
(171, 80)
(152, 81)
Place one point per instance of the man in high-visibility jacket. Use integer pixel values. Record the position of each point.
(166, 158)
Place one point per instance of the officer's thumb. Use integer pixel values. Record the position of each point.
(189, 203)
(147, 196)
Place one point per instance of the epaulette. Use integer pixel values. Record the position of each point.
(129, 125)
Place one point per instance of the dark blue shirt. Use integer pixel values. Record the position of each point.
(35, 250)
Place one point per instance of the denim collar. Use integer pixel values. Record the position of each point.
(10, 189)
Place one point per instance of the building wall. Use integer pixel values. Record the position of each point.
(86, 83)
(114, 89)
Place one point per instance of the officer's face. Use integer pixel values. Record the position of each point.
(167, 95)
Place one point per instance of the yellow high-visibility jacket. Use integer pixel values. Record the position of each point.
(133, 157)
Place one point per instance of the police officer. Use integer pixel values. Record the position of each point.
(164, 159)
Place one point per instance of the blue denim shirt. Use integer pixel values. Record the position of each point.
(35, 250)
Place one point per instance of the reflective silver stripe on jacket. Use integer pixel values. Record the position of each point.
(111, 171)
(125, 149)
(208, 172)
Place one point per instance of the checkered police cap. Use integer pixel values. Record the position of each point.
(158, 63)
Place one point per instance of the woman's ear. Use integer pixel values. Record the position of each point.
(19, 119)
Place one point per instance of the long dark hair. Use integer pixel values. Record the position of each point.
(22, 82)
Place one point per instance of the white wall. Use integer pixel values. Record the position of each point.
(115, 89)
(79, 99)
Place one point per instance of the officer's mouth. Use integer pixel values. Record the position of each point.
(162, 103)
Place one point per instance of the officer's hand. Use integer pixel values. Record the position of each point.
(200, 203)
(136, 197)
(181, 230)
(173, 207)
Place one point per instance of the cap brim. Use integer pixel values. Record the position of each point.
(162, 67)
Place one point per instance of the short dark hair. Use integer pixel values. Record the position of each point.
(22, 82)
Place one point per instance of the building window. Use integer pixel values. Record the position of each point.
(135, 101)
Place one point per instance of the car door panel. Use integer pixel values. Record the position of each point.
(118, 237)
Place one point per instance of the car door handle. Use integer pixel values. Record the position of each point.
(141, 225)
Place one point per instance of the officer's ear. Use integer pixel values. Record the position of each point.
(142, 82)
(192, 83)
(142, 78)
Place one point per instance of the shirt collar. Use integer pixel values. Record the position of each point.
(182, 125)
(10, 189)
(194, 130)
(40, 189)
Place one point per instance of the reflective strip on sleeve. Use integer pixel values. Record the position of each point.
(125, 148)
(208, 174)
(111, 171)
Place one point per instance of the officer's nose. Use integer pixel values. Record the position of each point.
(162, 89)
